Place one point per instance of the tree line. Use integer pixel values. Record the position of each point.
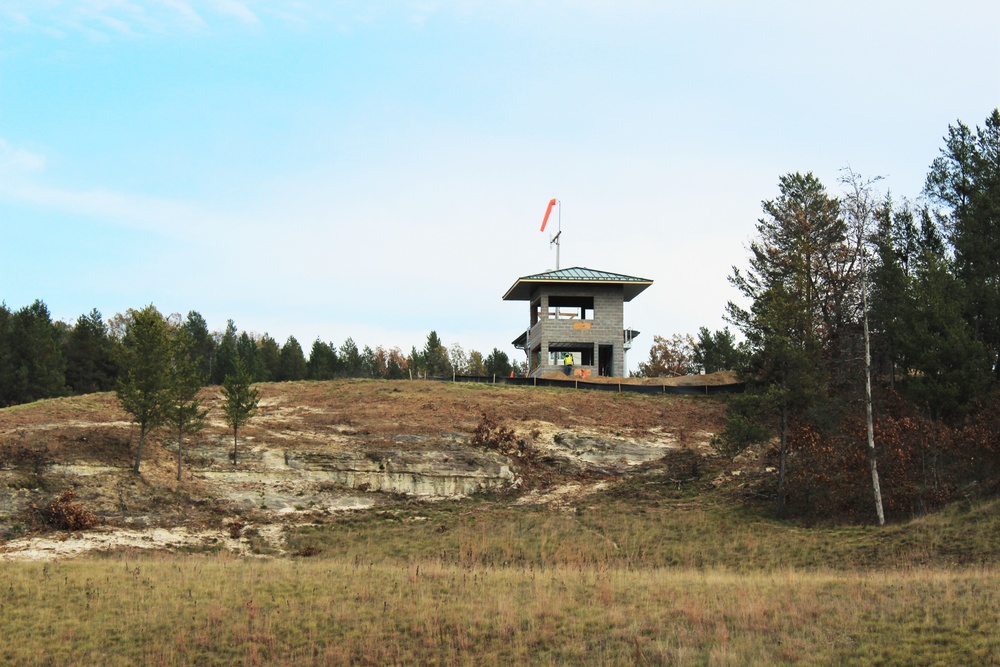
(924, 280)
(864, 313)
(683, 354)
(43, 358)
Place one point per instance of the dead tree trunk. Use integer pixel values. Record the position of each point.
(868, 395)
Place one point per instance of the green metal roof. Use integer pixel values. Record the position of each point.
(526, 285)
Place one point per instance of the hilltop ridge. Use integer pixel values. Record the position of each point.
(319, 448)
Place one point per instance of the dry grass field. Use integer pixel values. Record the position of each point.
(181, 610)
(621, 537)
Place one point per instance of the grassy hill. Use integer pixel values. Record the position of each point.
(620, 536)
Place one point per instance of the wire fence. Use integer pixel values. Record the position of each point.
(618, 387)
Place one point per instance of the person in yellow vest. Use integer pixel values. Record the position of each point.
(568, 363)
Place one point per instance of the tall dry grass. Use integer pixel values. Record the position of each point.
(643, 573)
(622, 529)
(171, 610)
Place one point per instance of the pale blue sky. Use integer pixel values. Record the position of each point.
(380, 169)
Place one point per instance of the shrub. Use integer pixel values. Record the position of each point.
(923, 464)
(307, 552)
(65, 514)
(491, 434)
(236, 529)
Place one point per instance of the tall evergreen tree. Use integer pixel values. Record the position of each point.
(184, 413)
(498, 363)
(249, 353)
(143, 386)
(435, 356)
(796, 287)
(802, 246)
(716, 351)
(370, 365)
(949, 366)
(203, 344)
(895, 249)
(36, 367)
(226, 354)
(270, 356)
(965, 179)
(292, 362)
(90, 356)
(323, 362)
(349, 359)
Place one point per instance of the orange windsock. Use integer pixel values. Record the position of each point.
(548, 210)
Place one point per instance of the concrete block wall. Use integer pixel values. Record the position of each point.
(606, 325)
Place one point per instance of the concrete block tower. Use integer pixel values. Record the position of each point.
(578, 312)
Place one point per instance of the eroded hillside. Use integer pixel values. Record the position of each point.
(317, 448)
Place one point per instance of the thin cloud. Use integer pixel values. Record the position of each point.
(165, 217)
(235, 9)
(107, 19)
(116, 18)
(117, 25)
(15, 16)
(186, 12)
(19, 160)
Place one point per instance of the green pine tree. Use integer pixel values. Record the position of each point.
(240, 401)
(349, 359)
(795, 287)
(498, 363)
(891, 273)
(292, 362)
(90, 356)
(249, 354)
(36, 367)
(143, 386)
(202, 342)
(184, 412)
(716, 351)
(948, 365)
(270, 355)
(323, 362)
(435, 357)
(226, 354)
(965, 179)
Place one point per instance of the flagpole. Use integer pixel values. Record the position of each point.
(554, 239)
(558, 233)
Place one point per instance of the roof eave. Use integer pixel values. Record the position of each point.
(522, 289)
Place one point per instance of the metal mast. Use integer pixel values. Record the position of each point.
(555, 239)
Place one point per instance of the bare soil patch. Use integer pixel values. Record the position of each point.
(321, 448)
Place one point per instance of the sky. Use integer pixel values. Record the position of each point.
(379, 169)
